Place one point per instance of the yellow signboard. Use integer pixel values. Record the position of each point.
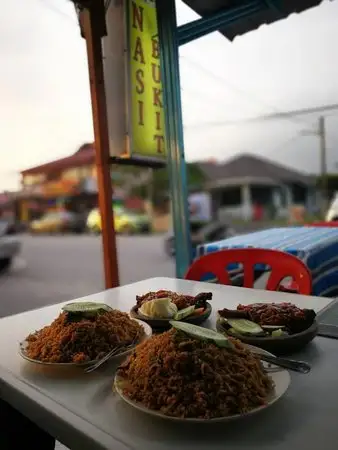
(146, 114)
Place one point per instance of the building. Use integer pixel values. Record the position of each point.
(71, 183)
(247, 184)
(67, 183)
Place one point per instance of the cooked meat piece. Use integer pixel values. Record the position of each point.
(181, 301)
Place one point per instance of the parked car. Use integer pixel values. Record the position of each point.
(59, 222)
(125, 222)
(10, 246)
(9, 226)
(332, 214)
(200, 233)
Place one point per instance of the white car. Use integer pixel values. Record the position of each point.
(332, 213)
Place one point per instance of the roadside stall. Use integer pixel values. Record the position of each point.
(133, 122)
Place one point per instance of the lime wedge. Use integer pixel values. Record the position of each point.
(85, 307)
(184, 313)
(244, 326)
(202, 333)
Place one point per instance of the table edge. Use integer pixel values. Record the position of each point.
(25, 398)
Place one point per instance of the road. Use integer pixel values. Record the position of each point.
(53, 269)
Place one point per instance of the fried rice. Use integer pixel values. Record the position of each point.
(180, 376)
(77, 340)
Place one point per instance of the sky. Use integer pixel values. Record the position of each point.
(45, 109)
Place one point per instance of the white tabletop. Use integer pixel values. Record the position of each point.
(80, 410)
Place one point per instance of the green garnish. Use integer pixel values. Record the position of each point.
(272, 327)
(277, 333)
(184, 313)
(233, 331)
(202, 333)
(244, 326)
(85, 307)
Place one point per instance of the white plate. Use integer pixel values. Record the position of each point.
(23, 346)
(281, 379)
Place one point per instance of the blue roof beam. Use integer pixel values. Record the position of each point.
(206, 25)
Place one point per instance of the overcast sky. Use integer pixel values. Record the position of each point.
(45, 110)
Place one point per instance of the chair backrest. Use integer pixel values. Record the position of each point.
(281, 265)
(333, 223)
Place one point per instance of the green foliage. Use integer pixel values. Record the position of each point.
(196, 179)
(330, 181)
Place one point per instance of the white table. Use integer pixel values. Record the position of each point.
(82, 412)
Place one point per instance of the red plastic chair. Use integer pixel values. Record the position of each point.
(332, 224)
(281, 264)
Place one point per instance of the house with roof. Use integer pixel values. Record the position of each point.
(246, 183)
(70, 183)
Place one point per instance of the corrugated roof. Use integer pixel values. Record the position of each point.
(85, 155)
(247, 165)
(275, 10)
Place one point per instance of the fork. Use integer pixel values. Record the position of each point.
(291, 364)
(116, 351)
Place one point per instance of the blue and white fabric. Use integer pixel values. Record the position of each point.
(316, 246)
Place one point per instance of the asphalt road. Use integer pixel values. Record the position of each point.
(53, 269)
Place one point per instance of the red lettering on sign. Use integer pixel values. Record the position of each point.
(139, 81)
(140, 112)
(157, 97)
(137, 12)
(138, 53)
(156, 73)
(159, 143)
(158, 120)
(155, 49)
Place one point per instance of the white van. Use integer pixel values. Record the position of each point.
(332, 213)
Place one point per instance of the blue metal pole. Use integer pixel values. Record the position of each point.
(206, 25)
(167, 31)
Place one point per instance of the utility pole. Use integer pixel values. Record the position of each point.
(323, 162)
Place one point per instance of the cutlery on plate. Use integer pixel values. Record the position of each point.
(291, 364)
(115, 352)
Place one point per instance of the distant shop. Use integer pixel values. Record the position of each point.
(65, 184)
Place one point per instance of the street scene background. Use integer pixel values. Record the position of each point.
(52, 269)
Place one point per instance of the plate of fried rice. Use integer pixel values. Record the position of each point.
(83, 337)
(177, 376)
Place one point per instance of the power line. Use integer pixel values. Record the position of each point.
(299, 112)
(276, 116)
(235, 88)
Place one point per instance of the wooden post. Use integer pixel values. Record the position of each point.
(93, 27)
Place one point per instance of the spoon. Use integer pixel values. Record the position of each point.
(291, 364)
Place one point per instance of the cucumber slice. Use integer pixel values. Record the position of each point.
(273, 327)
(233, 331)
(277, 333)
(244, 326)
(85, 307)
(202, 333)
(184, 313)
